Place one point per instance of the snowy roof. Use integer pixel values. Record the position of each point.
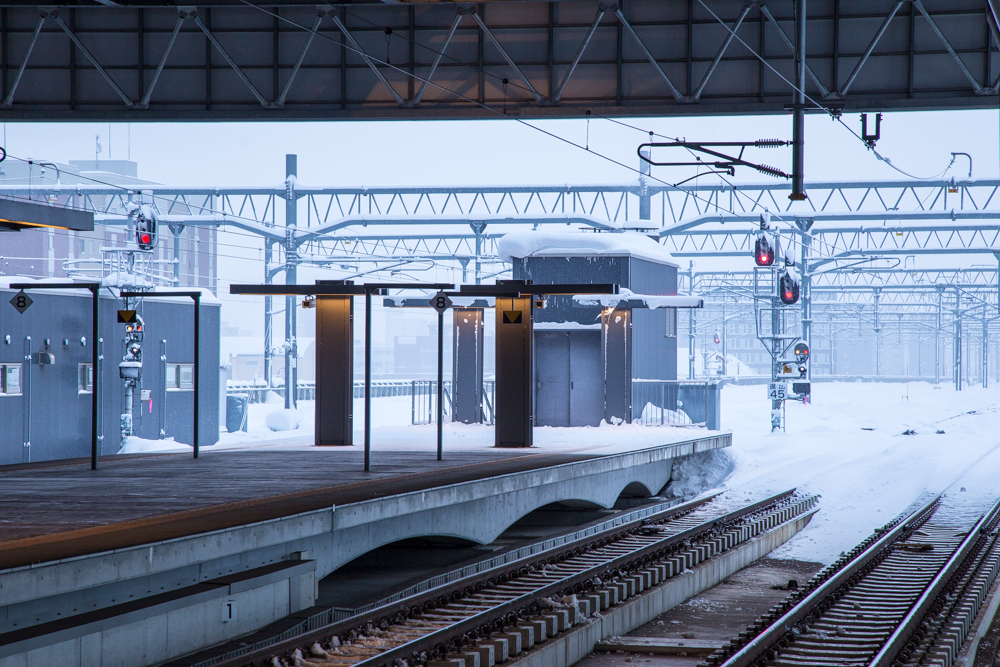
(566, 326)
(536, 243)
(647, 300)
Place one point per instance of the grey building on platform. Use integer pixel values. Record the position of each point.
(586, 357)
(46, 377)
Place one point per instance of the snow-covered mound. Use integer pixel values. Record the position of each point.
(283, 420)
(135, 445)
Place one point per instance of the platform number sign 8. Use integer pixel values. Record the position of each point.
(21, 302)
(777, 391)
(440, 302)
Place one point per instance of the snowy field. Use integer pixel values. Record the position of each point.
(848, 446)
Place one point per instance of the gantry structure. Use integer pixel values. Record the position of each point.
(869, 251)
(133, 60)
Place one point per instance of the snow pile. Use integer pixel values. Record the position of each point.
(693, 474)
(653, 414)
(581, 244)
(649, 300)
(283, 420)
(136, 445)
(122, 279)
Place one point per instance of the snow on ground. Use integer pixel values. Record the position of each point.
(848, 446)
(392, 430)
(135, 445)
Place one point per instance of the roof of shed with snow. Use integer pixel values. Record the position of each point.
(536, 243)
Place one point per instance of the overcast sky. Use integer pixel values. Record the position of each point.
(499, 151)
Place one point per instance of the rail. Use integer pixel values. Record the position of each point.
(918, 565)
(521, 596)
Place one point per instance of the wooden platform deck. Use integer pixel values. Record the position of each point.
(58, 510)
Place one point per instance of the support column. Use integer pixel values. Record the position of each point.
(937, 339)
(334, 370)
(177, 230)
(806, 289)
(878, 337)
(478, 228)
(799, 102)
(645, 199)
(692, 324)
(515, 375)
(616, 344)
(268, 314)
(958, 340)
(291, 277)
(467, 365)
(986, 347)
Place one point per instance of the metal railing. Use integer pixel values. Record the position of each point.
(423, 404)
(672, 402)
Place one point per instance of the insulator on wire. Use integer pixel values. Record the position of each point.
(770, 171)
(769, 143)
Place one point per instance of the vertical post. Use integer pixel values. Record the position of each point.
(937, 342)
(440, 388)
(95, 291)
(776, 344)
(878, 338)
(958, 339)
(478, 228)
(725, 326)
(268, 333)
(368, 377)
(644, 197)
(799, 103)
(197, 365)
(806, 289)
(291, 277)
(986, 347)
(177, 230)
(692, 318)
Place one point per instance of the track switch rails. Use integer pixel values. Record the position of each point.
(513, 610)
(905, 596)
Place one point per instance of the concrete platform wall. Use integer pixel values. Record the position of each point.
(477, 511)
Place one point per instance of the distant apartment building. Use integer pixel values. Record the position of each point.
(187, 259)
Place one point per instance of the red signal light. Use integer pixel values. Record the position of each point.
(763, 251)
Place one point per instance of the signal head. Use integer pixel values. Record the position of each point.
(788, 288)
(763, 251)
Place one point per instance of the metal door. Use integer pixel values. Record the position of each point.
(552, 378)
(586, 379)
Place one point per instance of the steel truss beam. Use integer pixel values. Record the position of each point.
(702, 63)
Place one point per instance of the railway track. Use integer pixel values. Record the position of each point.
(495, 615)
(904, 597)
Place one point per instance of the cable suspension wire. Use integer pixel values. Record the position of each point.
(833, 114)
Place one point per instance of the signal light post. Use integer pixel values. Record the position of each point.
(777, 289)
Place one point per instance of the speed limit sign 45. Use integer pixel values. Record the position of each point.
(777, 391)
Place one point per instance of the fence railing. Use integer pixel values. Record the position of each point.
(654, 402)
(675, 402)
(423, 395)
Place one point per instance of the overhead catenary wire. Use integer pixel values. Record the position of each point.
(500, 113)
(833, 115)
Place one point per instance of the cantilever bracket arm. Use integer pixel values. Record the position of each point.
(723, 161)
